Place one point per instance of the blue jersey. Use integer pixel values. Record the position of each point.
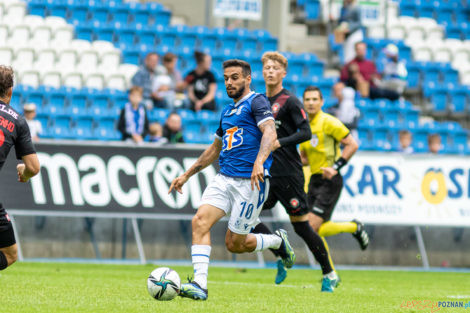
(241, 136)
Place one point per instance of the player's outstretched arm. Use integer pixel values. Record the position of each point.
(267, 142)
(205, 159)
(30, 168)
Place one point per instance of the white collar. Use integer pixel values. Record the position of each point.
(244, 98)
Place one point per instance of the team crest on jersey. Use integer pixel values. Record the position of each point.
(236, 111)
(294, 202)
(314, 141)
(276, 106)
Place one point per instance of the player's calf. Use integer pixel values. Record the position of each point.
(7, 258)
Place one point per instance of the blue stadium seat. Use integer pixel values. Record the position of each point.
(414, 74)
(453, 31)
(312, 9)
(439, 101)
(125, 37)
(147, 37)
(158, 114)
(207, 116)
(458, 100)
(83, 128)
(105, 33)
(268, 44)
(98, 12)
(408, 9)
(77, 13)
(106, 130)
(162, 17)
(121, 14)
(57, 9)
(187, 115)
(426, 10)
(188, 38)
(131, 56)
(36, 97)
(445, 14)
(167, 38)
(37, 8)
(84, 31)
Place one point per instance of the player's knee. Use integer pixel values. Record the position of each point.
(199, 224)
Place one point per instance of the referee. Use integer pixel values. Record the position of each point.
(14, 132)
(325, 158)
(287, 181)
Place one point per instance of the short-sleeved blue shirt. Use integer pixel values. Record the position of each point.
(241, 136)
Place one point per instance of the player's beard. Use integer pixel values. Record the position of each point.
(238, 94)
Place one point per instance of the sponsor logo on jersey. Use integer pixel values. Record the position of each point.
(314, 141)
(294, 202)
(275, 107)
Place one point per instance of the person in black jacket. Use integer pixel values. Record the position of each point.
(133, 122)
(287, 181)
(14, 133)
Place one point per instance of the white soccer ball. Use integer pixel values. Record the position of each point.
(163, 284)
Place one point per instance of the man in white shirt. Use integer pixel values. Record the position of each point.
(35, 126)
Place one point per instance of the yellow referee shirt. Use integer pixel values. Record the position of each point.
(323, 149)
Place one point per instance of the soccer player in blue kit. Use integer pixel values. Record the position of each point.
(243, 143)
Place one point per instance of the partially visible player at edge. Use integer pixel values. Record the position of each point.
(243, 143)
(14, 132)
(287, 182)
(326, 159)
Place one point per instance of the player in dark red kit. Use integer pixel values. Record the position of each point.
(14, 132)
(287, 183)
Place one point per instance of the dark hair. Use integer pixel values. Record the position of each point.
(246, 68)
(199, 56)
(168, 57)
(6, 79)
(313, 88)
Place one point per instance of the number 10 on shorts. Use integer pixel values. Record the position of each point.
(249, 210)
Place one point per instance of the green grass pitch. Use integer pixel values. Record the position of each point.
(64, 287)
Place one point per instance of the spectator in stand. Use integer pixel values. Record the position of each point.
(346, 110)
(144, 79)
(361, 74)
(201, 84)
(172, 130)
(169, 84)
(393, 70)
(405, 138)
(434, 143)
(350, 24)
(156, 133)
(133, 122)
(35, 127)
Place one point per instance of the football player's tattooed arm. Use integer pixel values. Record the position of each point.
(267, 142)
(205, 159)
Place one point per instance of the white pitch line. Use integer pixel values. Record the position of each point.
(459, 297)
(261, 284)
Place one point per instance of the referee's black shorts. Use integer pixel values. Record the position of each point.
(289, 190)
(323, 194)
(7, 236)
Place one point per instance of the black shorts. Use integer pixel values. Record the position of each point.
(323, 194)
(7, 236)
(290, 191)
